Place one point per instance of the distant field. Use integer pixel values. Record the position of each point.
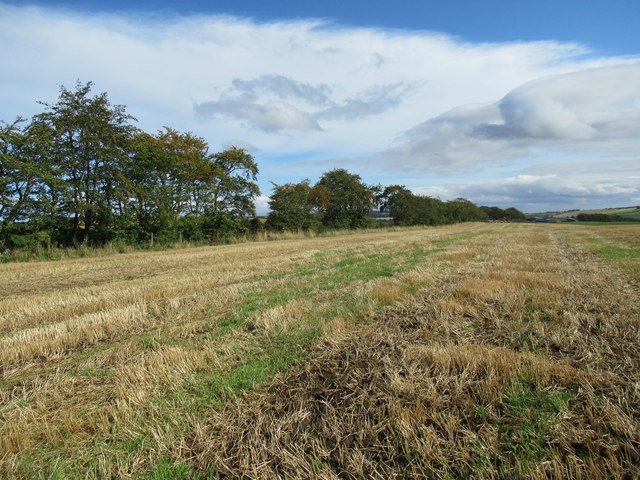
(467, 351)
(633, 213)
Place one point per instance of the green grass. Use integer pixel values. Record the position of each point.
(167, 469)
(614, 250)
(528, 415)
(631, 212)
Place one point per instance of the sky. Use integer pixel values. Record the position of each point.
(528, 104)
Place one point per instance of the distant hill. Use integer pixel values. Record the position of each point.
(632, 213)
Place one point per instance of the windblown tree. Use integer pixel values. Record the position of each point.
(233, 191)
(89, 141)
(293, 207)
(344, 201)
(169, 179)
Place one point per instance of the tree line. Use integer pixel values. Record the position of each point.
(341, 200)
(81, 173)
(603, 217)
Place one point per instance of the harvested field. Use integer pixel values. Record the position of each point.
(471, 351)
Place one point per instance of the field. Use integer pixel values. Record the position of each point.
(467, 351)
(631, 213)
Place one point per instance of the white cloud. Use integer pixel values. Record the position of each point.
(544, 192)
(272, 116)
(273, 103)
(262, 205)
(160, 67)
(308, 90)
(590, 110)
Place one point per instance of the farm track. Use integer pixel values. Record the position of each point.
(136, 364)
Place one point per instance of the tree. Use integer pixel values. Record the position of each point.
(344, 201)
(89, 139)
(82, 171)
(293, 207)
(169, 179)
(17, 179)
(515, 215)
(233, 190)
(234, 186)
(510, 214)
(391, 198)
(178, 188)
(409, 209)
(25, 182)
(463, 210)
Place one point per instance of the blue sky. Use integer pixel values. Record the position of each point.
(527, 104)
(609, 26)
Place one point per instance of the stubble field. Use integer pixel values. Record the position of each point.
(468, 351)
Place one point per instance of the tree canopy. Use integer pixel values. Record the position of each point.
(343, 200)
(81, 173)
(294, 207)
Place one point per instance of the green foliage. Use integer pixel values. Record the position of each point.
(409, 209)
(86, 139)
(603, 217)
(83, 175)
(530, 413)
(224, 226)
(343, 200)
(24, 181)
(234, 186)
(293, 208)
(509, 215)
